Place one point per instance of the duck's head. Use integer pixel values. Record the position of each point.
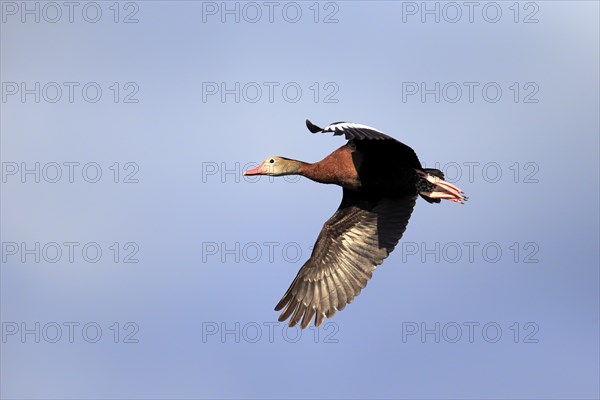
(276, 166)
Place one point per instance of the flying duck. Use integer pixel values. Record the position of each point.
(381, 179)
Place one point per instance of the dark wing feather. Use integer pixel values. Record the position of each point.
(353, 242)
(371, 141)
(351, 130)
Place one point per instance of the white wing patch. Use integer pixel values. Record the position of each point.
(342, 125)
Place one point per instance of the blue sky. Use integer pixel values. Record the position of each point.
(159, 264)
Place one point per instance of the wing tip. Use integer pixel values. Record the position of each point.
(312, 127)
(282, 303)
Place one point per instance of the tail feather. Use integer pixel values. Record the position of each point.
(433, 188)
(434, 172)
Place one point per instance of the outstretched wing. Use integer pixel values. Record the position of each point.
(371, 141)
(352, 243)
(351, 130)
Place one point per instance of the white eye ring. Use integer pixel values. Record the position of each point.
(272, 161)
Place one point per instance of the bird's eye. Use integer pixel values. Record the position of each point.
(271, 161)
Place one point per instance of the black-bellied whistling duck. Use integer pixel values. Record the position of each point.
(381, 179)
